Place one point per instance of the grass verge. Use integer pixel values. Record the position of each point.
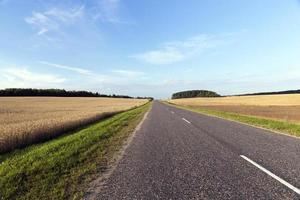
(274, 125)
(62, 168)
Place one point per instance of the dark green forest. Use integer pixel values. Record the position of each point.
(271, 93)
(194, 93)
(206, 93)
(58, 93)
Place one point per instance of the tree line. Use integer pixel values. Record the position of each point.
(58, 93)
(194, 93)
(271, 93)
(206, 93)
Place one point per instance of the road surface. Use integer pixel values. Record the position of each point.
(178, 154)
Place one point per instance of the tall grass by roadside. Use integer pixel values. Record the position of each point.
(275, 125)
(29, 120)
(61, 168)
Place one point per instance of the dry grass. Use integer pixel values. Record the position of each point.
(280, 107)
(27, 120)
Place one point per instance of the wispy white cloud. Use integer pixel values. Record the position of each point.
(57, 21)
(94, 79)
(114, 75)
(66, 16)
(74, 69)
(176, 51)
(22, 77)
(54, 18)
(104, 82)
(128, 73)
(164, 56)
(42, 22)
(108, 11)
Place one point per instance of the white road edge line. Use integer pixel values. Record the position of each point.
(186, 120)
(272, 175)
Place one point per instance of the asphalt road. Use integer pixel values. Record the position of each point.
(178, 154)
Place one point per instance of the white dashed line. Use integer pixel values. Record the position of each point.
(186, 120)
(272, 175)
(172, 112)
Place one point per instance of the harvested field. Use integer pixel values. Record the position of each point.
(281, 107)
(27, 120)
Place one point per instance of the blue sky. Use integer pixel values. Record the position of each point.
(150, 48)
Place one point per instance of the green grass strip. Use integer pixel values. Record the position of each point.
(63, 167)
(275, 125)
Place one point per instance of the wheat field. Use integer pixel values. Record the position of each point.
(263, 100)
(281, 107)
(27, 120)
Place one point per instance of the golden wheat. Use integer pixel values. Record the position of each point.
(26, 120)
(263, 100)
(281, 107)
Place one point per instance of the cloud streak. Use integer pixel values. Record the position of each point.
(128, 73)
(108, 11)
(54, 18)
(114, 74)
(24, 75)
(171, 52)
(74, 69)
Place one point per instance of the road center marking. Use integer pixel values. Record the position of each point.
(186, 120)
(272, 175)
(172, 112)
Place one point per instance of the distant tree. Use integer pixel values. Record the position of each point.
(194, 93)
(149, 98)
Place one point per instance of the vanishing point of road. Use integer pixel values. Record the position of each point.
(178, 154)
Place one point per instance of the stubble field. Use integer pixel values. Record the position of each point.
(27, 120)
(280, 107)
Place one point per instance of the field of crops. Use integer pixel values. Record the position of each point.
(27, 120)
(282, 107)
